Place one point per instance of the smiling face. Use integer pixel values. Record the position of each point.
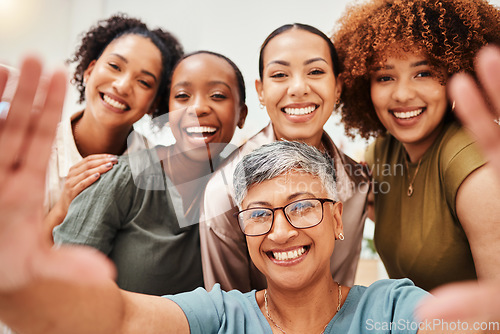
(298, 85)
(289, 257)
(204, 105)
(121, 84)
(409, 101)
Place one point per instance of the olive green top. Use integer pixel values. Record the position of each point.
(420, 237)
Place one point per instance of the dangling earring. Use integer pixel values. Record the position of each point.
(453, 106)
(341, 236)
(261, 106)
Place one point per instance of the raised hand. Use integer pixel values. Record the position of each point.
(478, 107)
(479, 110)
(26, 137)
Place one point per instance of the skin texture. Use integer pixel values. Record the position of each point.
(298, 73)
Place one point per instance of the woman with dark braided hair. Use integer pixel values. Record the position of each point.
(436, 207)
(122, 73)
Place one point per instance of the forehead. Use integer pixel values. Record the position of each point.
(296, 44)
(135, 49)
(203, 68)
(279, 190)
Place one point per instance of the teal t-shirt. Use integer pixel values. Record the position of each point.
(386, 306)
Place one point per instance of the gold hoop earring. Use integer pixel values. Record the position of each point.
(341, 236)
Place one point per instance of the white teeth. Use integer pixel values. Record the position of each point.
(408, 114)
(114, 103)
(291, 255)
(300, 111)
(200, 129)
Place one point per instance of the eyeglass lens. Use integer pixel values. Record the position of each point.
(301, 214)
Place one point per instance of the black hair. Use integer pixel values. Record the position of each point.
(306, 27)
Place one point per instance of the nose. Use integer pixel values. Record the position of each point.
(199, 108)
(403, 91)
(281, 231)
(122, 84)
(298, 86)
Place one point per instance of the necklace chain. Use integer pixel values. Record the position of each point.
(410, 187)
(281, 329)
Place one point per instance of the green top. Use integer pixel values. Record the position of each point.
(130, 215)
(420, 237)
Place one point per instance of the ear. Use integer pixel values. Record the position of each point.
(337, 215)
(243, 115)
(338, 88)
(88, 71)
(260, 91)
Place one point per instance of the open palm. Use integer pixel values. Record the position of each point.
(26, 137)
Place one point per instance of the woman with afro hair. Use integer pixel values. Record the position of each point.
(122, 72)
(436, 198)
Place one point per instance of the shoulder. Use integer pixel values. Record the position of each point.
(219, 311)
(456, 143)
(385, 303)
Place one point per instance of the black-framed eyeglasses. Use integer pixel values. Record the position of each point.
(303, 213)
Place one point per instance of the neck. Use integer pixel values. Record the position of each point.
(307, 310)
(187, 175)
(417, 150)
(92, 138)
(315, 140)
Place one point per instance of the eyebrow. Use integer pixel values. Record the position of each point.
(125, 60)
(415, 64)
(210, 83)
(286, 63)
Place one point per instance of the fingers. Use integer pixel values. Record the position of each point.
(87, 172)
(474, 112)
(488, 70)
(91, 162)
(44, 129)
(14, 129)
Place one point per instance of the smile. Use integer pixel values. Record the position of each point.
(115, 104)
(300, 111)
(290, 255)
(201, 131)
(408, 114)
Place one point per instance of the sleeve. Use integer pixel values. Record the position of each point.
(224, 252)
(460, 158)
(218, 311)
(96, 214)
(388, 306)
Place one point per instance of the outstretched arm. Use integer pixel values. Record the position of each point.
(45, 289)
(477, 107)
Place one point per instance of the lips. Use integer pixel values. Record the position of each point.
(407, 114)
(114, 102)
